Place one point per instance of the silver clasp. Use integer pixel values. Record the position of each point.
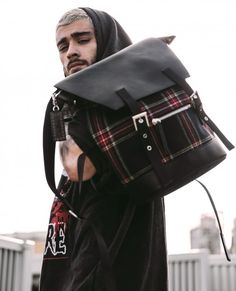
(140, 118)
(54, 101)
(194, 95)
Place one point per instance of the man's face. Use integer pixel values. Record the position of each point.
(77, 45)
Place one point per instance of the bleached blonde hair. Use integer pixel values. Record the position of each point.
(71, 16)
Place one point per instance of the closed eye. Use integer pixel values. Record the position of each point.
(62, 45)
(83, 41)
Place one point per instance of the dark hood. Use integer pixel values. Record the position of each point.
(110, 36)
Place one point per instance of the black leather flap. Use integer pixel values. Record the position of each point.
(137, 68)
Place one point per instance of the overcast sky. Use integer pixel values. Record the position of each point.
(205, 42)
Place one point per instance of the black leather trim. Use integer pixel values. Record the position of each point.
(137, 68)
(178, 172)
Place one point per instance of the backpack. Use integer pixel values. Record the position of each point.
(146, 119)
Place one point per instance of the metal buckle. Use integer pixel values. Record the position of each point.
(196, 101)
(194, 95)
(141, 117)
(54, 101)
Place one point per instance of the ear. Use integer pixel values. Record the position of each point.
(168, 39)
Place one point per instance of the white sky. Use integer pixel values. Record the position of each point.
(29, 63)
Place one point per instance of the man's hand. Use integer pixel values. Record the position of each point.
(69, 152)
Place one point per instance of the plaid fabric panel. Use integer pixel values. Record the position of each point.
(115, 139)
(182, 132)
(164, 102)
(114, 132)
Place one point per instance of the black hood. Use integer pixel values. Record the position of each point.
(110, 36)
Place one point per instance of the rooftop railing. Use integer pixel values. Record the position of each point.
(15, 264)
(195, 271)
(201, 271)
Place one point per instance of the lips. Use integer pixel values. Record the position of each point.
(76, 65)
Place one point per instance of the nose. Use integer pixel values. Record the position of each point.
(73, 49)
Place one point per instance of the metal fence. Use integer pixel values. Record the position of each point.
(15, 264)
(222, 273)
(188, 272)
(197, 271)
(202, 272)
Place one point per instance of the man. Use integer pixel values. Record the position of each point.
(137, 250)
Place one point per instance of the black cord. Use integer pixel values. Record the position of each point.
(218, 220)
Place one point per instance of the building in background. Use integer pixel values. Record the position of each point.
(206, 235)
(38, 238)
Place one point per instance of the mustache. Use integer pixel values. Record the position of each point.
(76, 61)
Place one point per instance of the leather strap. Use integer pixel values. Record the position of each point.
(80, 168)
(144, 133)
(218, 220)
(49, 159)
(128, 100)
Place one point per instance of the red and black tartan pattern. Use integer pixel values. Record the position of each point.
(114, 132)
